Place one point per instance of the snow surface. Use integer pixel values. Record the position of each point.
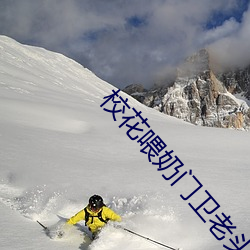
(58, 147)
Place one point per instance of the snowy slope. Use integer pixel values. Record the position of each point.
(58, 147)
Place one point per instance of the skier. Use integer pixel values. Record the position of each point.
(95, 214)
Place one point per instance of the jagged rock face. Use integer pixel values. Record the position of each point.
(199, 97)
(136, 90)
(237, 81)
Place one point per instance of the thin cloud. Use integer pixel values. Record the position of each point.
(127, 42)
(233, 49)
(228, 28)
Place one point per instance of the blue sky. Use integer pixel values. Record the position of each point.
(131, 41)
(218, 17)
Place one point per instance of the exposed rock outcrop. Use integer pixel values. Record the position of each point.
(199, 96)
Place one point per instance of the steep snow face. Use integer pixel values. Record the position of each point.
(58, 147)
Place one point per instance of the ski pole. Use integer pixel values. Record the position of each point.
(45, 228)
(149, 239)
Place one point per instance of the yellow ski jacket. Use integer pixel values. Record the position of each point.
(94, 223)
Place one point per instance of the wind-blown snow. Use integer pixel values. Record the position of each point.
(58, 147)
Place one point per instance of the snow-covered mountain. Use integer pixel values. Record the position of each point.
(59, 146)
(201, 95)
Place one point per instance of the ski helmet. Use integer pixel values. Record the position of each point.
(96, 202)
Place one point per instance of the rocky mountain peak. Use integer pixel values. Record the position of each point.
(196, 64)
(200, 96)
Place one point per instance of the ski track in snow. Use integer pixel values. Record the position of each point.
(39, 204)
(138, 213)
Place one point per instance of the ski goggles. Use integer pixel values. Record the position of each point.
(94, 208)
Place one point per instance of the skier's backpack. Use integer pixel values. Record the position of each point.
(88, 216)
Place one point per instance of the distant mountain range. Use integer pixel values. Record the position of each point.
(201, 94)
